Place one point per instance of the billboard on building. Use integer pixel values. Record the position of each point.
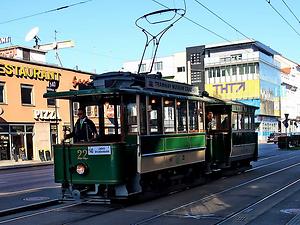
(234, 90)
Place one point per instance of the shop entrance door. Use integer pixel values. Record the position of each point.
(18, 146)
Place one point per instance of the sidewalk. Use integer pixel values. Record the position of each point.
(11, 164)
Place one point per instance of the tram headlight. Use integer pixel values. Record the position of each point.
(81, 169)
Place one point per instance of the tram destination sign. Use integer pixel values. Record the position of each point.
(171, 86)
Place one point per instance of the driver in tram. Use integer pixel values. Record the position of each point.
(84, 129)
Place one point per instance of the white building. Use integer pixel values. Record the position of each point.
(172, 67)
(290, 94)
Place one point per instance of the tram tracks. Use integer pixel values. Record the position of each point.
(235, 216)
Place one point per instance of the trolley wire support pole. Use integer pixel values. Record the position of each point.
(155, 38)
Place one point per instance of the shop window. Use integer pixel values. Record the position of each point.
(193, 115)
(181, 115)
(4, 147)
(50, 101)
(2, 92)
(26, 94)
(169, 116)
(4, 128)
(29, 128)
(17, 128)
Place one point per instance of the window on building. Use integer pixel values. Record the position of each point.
(241, 70)
(2, 92)
(180, 69)
(50, 101)
(252, 68)
(158, 66)
(234, 70)
(246, 67)
(143, 67)
(26, 54)
(223, 71)
(218, 72)
(26, 94)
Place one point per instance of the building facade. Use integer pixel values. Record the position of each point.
(247, 71)
(29, 123)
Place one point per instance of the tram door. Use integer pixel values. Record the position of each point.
(18, 146)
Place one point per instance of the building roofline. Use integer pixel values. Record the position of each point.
(45, 65)
(244, 42)
(22, 47)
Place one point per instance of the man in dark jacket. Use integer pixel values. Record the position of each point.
(84, 129)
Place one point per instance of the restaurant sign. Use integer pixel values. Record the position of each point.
(18, 71)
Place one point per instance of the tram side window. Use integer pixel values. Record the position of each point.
(181, 115)
(224, 122)
(234, 120)
(169, 115)
(155, 113)
(143, 117)
(240, 121)
(132, 117)
(193, 115)
(111, 124)
(246, 122)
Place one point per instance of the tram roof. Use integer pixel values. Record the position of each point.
(111, 91)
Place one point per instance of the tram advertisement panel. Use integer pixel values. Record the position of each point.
(234, 90)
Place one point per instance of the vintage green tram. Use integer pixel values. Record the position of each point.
(151, 134)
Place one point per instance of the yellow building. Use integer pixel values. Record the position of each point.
(29, 123)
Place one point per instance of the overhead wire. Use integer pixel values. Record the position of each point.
(45, 12)
(219, 17)
(196, 23)
(291, 11)
(269, 1)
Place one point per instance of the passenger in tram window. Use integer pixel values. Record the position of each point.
(84, 129)
(209, 121)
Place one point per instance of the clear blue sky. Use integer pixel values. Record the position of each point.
(105, 34)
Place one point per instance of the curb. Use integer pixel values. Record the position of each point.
(20, 209)
(25, 165)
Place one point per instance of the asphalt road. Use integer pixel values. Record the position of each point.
(24, 186)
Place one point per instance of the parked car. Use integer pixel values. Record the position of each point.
(273, 137)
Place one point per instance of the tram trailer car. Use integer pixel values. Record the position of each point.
(151, 134)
